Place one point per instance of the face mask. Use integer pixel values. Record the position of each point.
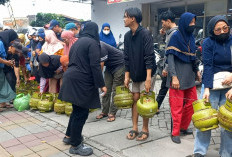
(190, 29)
(36, 39)
(222, 37)
(106, 32)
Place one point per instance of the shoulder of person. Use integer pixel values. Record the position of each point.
(127, 34)
(230, 39)
(173, 31)
(145, 31)
(86, 41)
(207, 42)
(176, 32)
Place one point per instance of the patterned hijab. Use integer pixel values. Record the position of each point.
(52, 44)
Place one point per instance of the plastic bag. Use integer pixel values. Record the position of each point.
(21, 102)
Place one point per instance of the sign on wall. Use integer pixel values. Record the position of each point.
(117, 1)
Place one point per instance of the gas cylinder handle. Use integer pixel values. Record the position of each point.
(150, 94)
(207, 104)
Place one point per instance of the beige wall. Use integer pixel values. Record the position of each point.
(20, 22)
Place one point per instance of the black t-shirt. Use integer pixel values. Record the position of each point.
(14, 57)
(112, 57)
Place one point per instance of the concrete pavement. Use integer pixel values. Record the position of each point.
(34, 134)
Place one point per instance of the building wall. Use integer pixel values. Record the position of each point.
(20, 22)
(112, 14)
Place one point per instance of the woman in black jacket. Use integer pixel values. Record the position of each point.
(80, 85)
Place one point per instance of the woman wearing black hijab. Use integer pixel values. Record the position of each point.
(80, 85)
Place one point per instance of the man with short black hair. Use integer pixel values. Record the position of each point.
(78, 24)
(12, 73)
(55, 26)
(140, 66)
(112, 59)
(168, 27)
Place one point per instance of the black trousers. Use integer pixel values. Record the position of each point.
(76, 122)
(162, 92)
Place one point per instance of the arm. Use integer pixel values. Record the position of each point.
(148, 80)
(228, 80)
(127, 79)
(42, 84)
(16, 69)
(17, 74)
(94, 57)
(104, 55)
(172, 72)
(102, 65)
(3, 56)
(59, 70)
(208, 73)
(149, 58)
(6, 62)
(171, 66)
(126, 55)
(229, 94)
(126, 59)
(165, 70)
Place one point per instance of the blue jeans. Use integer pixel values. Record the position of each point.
(202, 139)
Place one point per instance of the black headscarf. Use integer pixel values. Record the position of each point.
(54, 64)
(90, 30)
(8, 36)
(44, 58)
(213, 22)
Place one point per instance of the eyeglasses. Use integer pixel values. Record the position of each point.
(219, 30)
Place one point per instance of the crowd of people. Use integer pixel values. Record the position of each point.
(71, 62)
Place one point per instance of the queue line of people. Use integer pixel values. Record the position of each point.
(76, 64)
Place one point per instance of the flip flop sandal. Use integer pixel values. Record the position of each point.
(141, 135)
(111, 118)
(3, 105)
(133, 134)
(102, 115)
(9, 106)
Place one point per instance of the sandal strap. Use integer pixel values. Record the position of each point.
(101, 115)
(143, 133)
(111, 116)
(132, 132)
